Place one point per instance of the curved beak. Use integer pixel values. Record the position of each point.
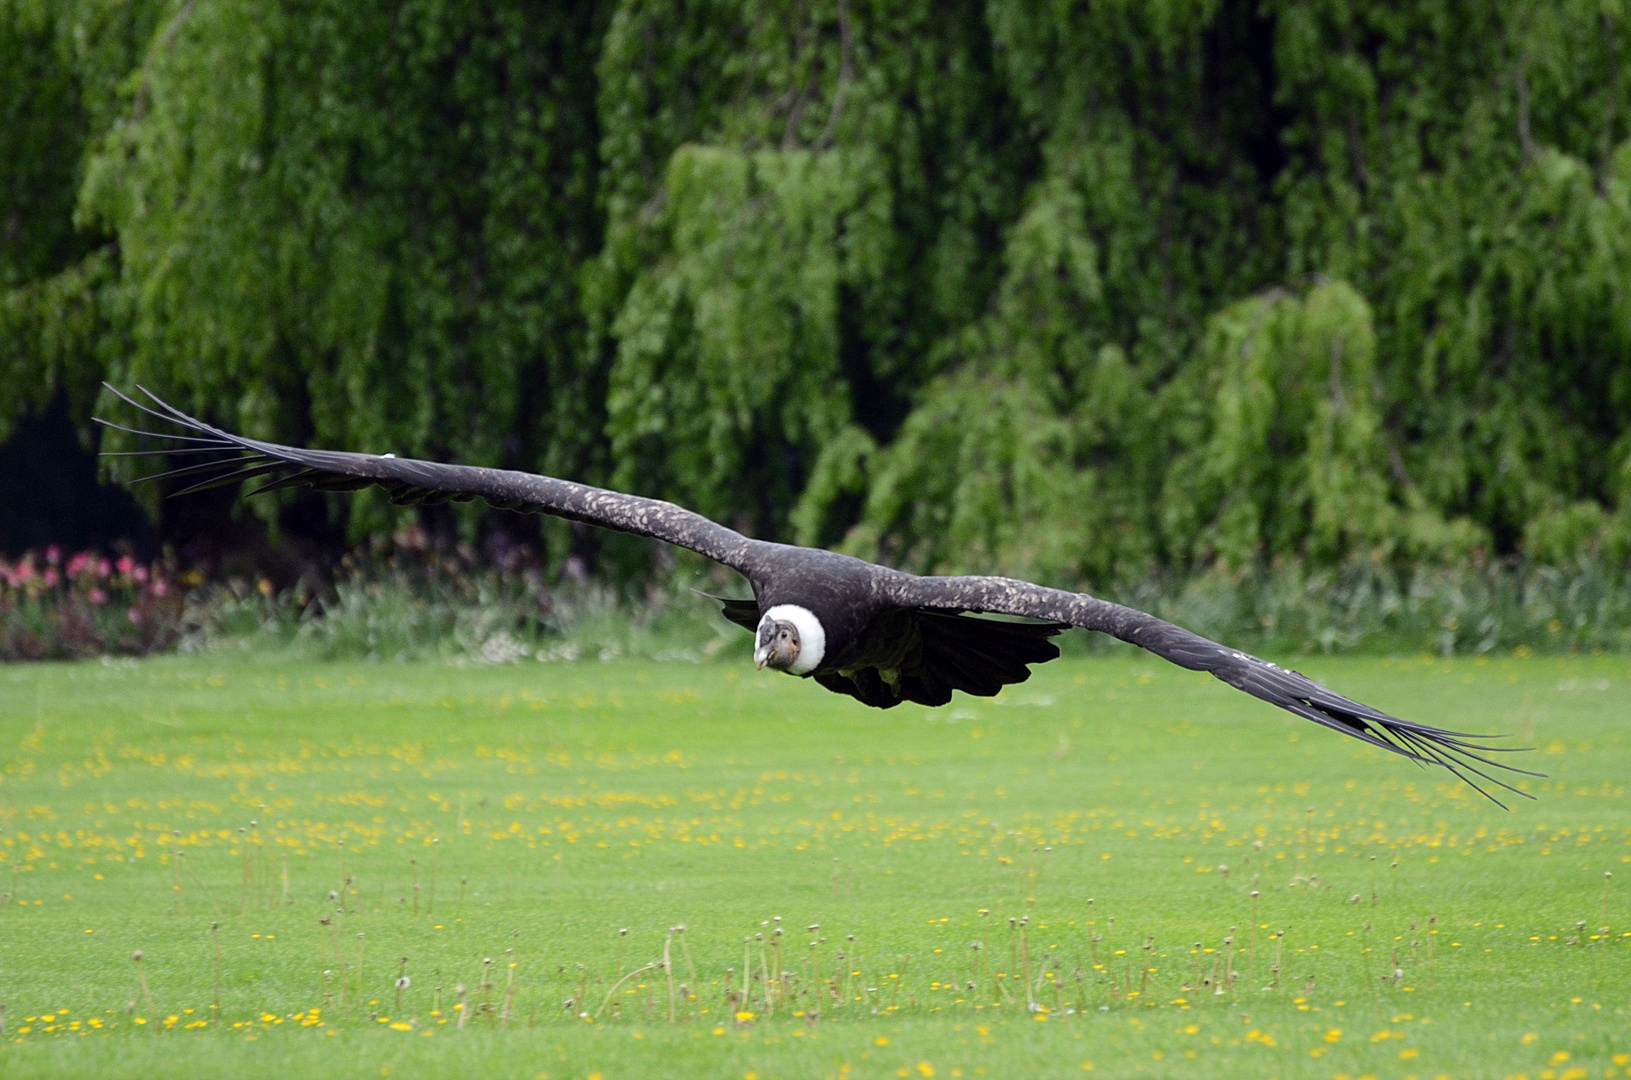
(761, 657)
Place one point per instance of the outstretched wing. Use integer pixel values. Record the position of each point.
(1458, 752)
(225, 458)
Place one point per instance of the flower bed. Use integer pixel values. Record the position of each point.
(88, 604)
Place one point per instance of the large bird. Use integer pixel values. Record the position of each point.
(880, 635)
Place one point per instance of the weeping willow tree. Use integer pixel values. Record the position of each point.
(1424, 211)
(1078, 291)
(350, 225)
(56, 280)
(792, 245)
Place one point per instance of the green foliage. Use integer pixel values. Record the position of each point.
(1369, 605)
(793, 230)
(1075, 291)
(51, 303)
(362, 226)
(1295, 377)
(450, 609)
(727, 367)
(59, 330)
(41, 131)
(1464, 165)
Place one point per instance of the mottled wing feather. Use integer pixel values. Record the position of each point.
(411, 482)
(1464, 755)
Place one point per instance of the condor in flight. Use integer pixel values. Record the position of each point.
(881, 636)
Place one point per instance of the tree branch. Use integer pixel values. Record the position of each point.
(846, 74)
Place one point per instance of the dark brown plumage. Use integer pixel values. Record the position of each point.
(876, 634)
(932, 652)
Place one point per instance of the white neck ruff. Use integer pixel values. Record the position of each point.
(812, 637)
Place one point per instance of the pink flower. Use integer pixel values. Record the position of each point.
(78, 563)
(161, 587)
(139, 573)
(50, 577)
(97, 595)
(103, 568)
(127, 565)
(53, 555)
(134, 616)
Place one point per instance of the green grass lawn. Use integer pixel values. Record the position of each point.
(1165, 877)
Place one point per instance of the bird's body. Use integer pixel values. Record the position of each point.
(897, 654)
(880, 635)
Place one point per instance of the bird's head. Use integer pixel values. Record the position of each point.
(778, 644)
(790, 638)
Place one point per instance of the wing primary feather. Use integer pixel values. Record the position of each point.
(295, 479)
(1420, 742)
(1455, 766)
(1462, 754)
(231, 478)
(170, 413)
(341, 483)
(172, 452)
(189, 470)
(179, 418)
(214, 443)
